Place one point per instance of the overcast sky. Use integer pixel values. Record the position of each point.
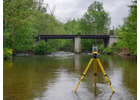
(76, 8)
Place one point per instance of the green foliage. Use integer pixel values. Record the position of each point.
(42, 47)
(43, 23)
(23, 20)
(116, 47)
(107, 51)
(114, 43)
(100, 47)
(55, 44)
(66, 45)
(72, 26)
(78, 34)
(7, 53)
(87, 43)
(117, 31)
(16, 24)
(96, 20)
(129, 41)
(128, 31)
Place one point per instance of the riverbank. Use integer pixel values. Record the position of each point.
(125, 52)
(118, 51)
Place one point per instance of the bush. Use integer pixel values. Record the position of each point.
(42, 47)
(66, 45)
(100, 47)
(87, 43)
(115, 43)
(107, 51)
(116, 47)
(7, 53)
(78, 34)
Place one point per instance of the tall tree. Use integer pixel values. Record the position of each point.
(129, 29)
(16, 22)
(72, 26)
(96, 20)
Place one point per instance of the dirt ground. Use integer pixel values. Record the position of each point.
(125, 52)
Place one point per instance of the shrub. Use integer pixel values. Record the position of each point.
(100, 47)
(42, 47)
(7, 53)
(78, 34)
(107, 51)
(115, 43)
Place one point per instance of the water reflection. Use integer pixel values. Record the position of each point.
(120, 70)
(26, 80)
(115, 70)
(77, 62)
(51, 77)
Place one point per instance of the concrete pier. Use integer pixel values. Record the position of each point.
(112, 39)
(77, 44)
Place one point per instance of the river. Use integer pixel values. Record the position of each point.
(54, 77)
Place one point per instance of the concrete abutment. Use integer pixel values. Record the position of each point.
(109, 41)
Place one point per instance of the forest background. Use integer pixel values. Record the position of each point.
(24, 20)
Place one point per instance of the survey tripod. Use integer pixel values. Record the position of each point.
(94, 59)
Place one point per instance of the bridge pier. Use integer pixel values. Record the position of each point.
(109, 41)
(112, 38)
(77, 44)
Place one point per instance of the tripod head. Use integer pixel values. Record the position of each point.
(95, 50)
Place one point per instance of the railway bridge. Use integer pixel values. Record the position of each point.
(107, 39)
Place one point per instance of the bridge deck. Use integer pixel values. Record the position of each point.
(73, 36)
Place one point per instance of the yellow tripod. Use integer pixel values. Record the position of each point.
(94, 59)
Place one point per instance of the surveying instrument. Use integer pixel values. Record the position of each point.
(95, 59)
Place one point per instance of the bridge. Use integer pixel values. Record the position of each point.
(107, 39)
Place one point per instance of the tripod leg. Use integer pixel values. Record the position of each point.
(105, 74)
(95, 70)
(84, 74)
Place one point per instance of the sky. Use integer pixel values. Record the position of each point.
(70, 9)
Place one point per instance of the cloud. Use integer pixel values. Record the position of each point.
(76, 8)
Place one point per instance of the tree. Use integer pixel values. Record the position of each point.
(129, 29)
(72, 26)
(23, 20)
(117, 31)
(16, 21)
(96, 20)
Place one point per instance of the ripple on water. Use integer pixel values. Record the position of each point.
(60, 55)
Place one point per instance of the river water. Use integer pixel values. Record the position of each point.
(55, 76)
